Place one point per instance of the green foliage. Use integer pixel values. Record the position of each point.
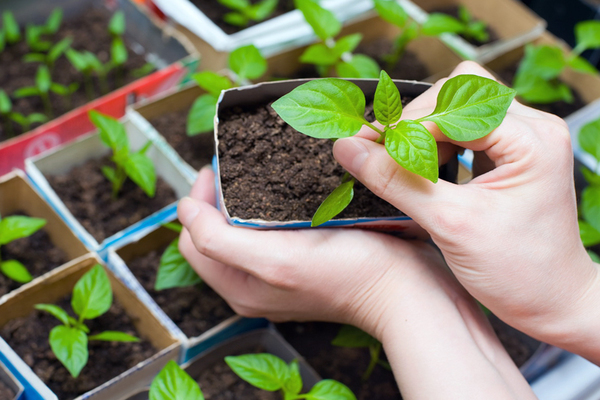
(174, 270)
(468, 107)
(350, 336)
(9, 116)
(589, 218)
(173, 383)
(247, 63)
(11, 229)
(438, 23)
(52, 55)
(268, 372)
(244, 12)
(92, 297)
(10, 28)
(135, 165)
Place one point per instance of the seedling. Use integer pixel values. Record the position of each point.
(537, 79)
(332, 54)
(174, 270)
(268, 372)
(118, 51)
(173, 383)
(468, 108)
(244, 12)
(11, 229)
(88, 64)
(10, 33)
(245, 63)
(350, 336)
(135, 165)
(438, 23)
(92, 297)
(34, 33)
(9, 116)
(52, 55)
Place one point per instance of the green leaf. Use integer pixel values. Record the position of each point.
(114, 336)
(589, 138)
(55, 311)
(320, 54)
(26, 92)
(293, 382)
(324, 23)
(261, 10)
(53, 22)
(173, 383)
(92, 295)
(439, 23)
(19, 119)
(143, 70)
(392, 12)
(360, 66)
(116, 25)
(590, 236)
(236, 4)
(60, 89)
(34, 57)
(587, 34)
(264, 371)
(16, 271)
(595, 257)
(464, 14)
(17, 227)
(37, 118)
(414, 148)
(478, 31)
(469, 107)
(109, 173)
(2, 40)
(212, 82)
(10, 27)
(350, 336)
(59, 48)
(174, 270)
(78, 60)
(334, 204)
(247, 62)
(387, 104)
(43, 79)
(324, 108)
(175, 227)
(590, 206)
(329, 389)
(534, 89)
(5, 103)
(582, 65)
(347, 44)
(202, 115)
(236, 19)
(590, 177)
(118, 51)
(140, 169)
(545, 62)
(70, 347)
(79, 325)
(112, 132)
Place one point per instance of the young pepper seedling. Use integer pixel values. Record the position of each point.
(92, 297)
(135, 165)
(34, 33)
(11, 229)
(173, 383)
(10, 33)
(118, 51)
(174, 270)
(468, 108)
(268, 372)
(49, 58)
(352, 337)
(9, 116)
(244, 12)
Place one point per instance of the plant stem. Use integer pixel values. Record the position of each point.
(89, 87)
(375, 351)
(120, 177)
(381, 137)
(47, 104)
(9, 128)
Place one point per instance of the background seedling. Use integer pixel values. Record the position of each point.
(34, 33)
(268, 372)
(468, 108)
(52, 55)
(331, 54)
(438, 23)
(173, 383)
(245, 63)
(9, 116)
(87, 63)
(92, 297)
(13, 228)
(244, 12)
(11, 33)
(350, 336)
(174, 270)
(135, 165)
(118, 51)
(537, 80)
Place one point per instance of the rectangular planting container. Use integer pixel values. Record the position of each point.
(8, 380)
(60, 283)
(66, 157)
(268, 339)
(118, 259)
(170, 51)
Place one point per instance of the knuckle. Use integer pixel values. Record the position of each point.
(280, 275)
(449, 224)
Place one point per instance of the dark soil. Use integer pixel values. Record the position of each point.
(409, 67)
(194, 309)
(29, 338)
(216, 11)
(560, 108)
(36, 252)
(452, 10)
(346, 365)
(88, 195)
(519, 346)
(89, 32)
(197, 151)
(6, 393)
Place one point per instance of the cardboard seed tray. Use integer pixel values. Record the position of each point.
(60, 283)
(65, 157)
(166, 49)
(9, 380)
(118, 257)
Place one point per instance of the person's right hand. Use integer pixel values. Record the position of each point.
(510, 235)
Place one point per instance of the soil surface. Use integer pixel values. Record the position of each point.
(36, 252)
(89, 32)
(452, 10)
(560, 108)
(519, 346)
(29, 338)
(88, 195)
(197, 151)
(6, 393)
(194, 309)
(216, 11)
(409, 67)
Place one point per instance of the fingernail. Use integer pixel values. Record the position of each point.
(351, 154)
(187, 210)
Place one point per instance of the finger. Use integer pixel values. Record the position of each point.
(204, 187)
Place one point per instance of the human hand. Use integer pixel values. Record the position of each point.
(510, 235)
